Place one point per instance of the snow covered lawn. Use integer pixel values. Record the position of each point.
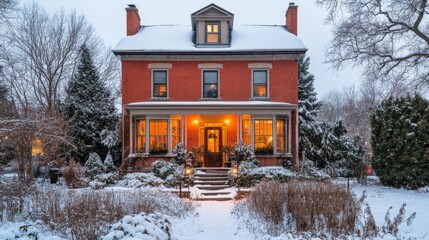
(214, 219)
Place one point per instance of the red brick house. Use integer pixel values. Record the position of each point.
(209, 85)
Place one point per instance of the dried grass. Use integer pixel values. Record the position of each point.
(85, 214)
(316, 207)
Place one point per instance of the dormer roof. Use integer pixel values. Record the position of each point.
(212, 12)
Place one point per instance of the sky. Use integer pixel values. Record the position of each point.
(108, 18)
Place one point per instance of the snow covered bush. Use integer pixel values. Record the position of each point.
(249, 177)
(26, 231)
(179, 152)
(400, 137)
(74, 175)
(171, 173)
(109, 166)
(141, 226)
(96, 185)
(308, 170)
(108, 179)
(138, 180)
(244, 153)
(93, 166)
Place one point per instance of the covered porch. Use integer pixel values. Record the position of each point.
(210, 129)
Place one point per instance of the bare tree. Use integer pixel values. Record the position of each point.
(39, 55)
(388, 38)
(6, 7)
(35, 131)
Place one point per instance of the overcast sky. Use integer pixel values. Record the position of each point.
(108, 18)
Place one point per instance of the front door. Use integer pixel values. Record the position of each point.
(212, 143)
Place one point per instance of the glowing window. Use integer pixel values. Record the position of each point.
(212, 32)
(158, 136)
(160, 83)
(263, 137)
(260, 80)
(141, 136)
(36, 147)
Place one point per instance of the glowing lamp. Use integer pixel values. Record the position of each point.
(195, 121)
(235, 170)
(188, 170)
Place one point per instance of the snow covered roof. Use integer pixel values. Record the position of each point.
(178, 38)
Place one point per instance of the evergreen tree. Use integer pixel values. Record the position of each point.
(308, 107)
(400, 142)
(7, 149)
(89, 107)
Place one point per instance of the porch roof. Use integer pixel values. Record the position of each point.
(210, 107)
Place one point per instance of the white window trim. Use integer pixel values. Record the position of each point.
(202, 83)
(152, 84)
(268, 83)
(159, 65)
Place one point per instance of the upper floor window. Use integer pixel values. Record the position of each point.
(210, 84)
(159, 83)
(260, 83)
(212, 32)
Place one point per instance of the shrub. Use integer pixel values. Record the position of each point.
(138, 180)
(179, 152)
(93, 166)
(96, 185)
(250, 176)
(308, 170)
(400, 136)
(74, 175)
(141, 226)
(109, 166)
(86, 214)
(171, 173)
(107, 178)
(302, 207)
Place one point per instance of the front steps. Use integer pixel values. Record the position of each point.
(212, 185)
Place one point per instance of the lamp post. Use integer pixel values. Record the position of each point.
(187, 172)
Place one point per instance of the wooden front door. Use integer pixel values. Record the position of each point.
(212, 149)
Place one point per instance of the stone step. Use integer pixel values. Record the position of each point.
(213, 193)
(210, 182)
(211, 178)
(210, 198)
(211, 187)
(210, 175)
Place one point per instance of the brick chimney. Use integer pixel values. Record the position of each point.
(133, 19)
(292, 18)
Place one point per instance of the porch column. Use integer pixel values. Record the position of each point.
(131, 134)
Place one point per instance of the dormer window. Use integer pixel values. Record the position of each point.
(212, 33)
(212, 26)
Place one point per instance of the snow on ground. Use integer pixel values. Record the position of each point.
(381, 198)
(213, 222)
(214, 219)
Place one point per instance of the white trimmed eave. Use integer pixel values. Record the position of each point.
(209, 107)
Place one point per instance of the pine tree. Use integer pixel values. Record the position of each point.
(89, 107)
(308, 107)
(400, 142)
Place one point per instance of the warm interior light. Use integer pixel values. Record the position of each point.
(195, 121)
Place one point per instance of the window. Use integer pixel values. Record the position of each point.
(280, 136)
(158, 136)
(160, 83)
(36, 147)
(212, 32)
(263, 137)
(175, 132)
(141, 136)
(210, 84)
(260, 86)
(246, 129)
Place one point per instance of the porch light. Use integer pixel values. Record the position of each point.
(227, 121)
(235, 170)
(188, 170)
(195, 121)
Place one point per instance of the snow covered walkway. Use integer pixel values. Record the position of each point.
(213, 222)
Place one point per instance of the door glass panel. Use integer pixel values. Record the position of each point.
(213, 140)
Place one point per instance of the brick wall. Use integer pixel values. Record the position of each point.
(185, 81)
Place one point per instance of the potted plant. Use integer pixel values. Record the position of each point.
(198, 152)
(268, 149)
